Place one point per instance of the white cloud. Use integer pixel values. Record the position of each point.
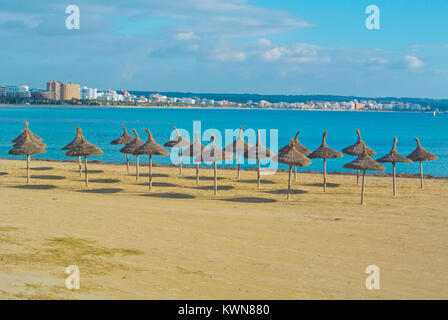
(185, 36)
(412, 62)
(229, 56)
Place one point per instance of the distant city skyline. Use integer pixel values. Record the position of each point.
(233, 46)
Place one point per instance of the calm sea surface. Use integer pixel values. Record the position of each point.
(57, 126)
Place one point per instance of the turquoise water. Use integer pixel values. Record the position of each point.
(57, 127)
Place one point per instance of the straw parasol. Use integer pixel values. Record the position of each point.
(356, 150)
(258, 152)
(393, 157)
(195, 150)
(238, 146)
(151, 148)
(420, 155)
(32, 136)
(364, 162)
(83, 149)
(131, 147)
(324, 152)
(75, 141)
(179, 142)
(302, 149)
(27, 147)
(214, 154)
(124, 139)
(291, 156)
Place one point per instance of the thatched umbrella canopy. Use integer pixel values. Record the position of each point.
(75, 141)
(393, 157)
(180, 143)
(356, 150)
(84, 149)
(151, 148)
(238, 146)
(32, 136)
(214, 154)
(27, 147)
(195, 150)
(258, 152)
(291, 156)
(324, 152)
(131, 147)
(420, 155)
(302, 149)
(124, 139)
(364, 162)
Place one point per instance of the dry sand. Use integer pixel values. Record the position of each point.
(181, 242)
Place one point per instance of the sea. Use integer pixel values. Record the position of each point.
(100, 125)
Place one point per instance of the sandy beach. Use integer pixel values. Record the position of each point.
(181, 242)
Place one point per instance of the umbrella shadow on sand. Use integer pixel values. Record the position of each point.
(101, 190)
(90, 171)
(285, 191)
(222, 188)
(104, 180)
(250, 200)
(41, 168)
(206, 178)
(3, 173)
(35, 186)
(255, 181)
(159, 184)
(329, 185)
(154, 175)
(171, 195)
(47, 177)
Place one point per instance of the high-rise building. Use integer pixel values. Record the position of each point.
(69, 91)
(54, 89)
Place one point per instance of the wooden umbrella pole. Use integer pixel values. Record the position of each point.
(357, 177)
(127, 161)
(393, 177)
(363, 185)
(216, 177)
(180, 162)
(325, 176)
(239, 156)
(421, 175)
(295, 173)
(136, 167)
(150, 172)
(289, 183)
(28, 168)
(197, 172)
(80, 166)
(85, 169)
(258, 174)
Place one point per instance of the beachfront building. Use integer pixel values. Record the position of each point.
(88, 93)
(15, 91)
(69, 91)
(110, 95)
(61, 91)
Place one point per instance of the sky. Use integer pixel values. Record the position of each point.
(230, 46)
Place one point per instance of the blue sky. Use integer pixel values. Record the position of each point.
(237, 46)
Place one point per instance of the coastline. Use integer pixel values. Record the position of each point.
(201, 108)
